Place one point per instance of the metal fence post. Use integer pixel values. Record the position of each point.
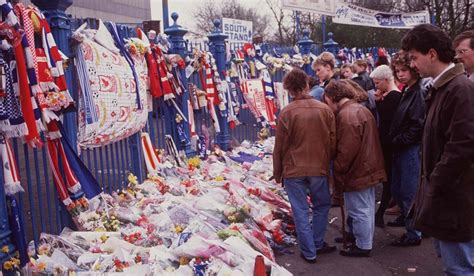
(60, 23)
(305, 45)
(330, 45)
(217, 48)
(178, 46)
(5, 232)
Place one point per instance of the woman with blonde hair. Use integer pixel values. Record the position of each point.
(387, 98)
(324, 66)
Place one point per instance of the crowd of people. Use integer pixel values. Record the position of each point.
(408, 125)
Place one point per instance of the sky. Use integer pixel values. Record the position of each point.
(185, 9)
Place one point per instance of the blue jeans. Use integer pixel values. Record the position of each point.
(310, 234)
(360, 206)
(457, 257)
(405, 181)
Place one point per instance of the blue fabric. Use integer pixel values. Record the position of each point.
(360, 206)
(405, 180)
(457, 257)
(18, 232)
(245, 157)
(310, 234)
(119, 43)
(89, 184)
(84, 82)
(317, 92)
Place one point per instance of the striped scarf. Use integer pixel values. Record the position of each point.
(163, 72)
(12, 123)
(49, 65)
(211, 94)
(269, 97)
(24, 77)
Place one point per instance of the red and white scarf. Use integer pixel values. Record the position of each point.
(150, 155)
(11, 176)
(163, 72)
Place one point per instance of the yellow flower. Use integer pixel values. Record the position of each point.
(15, 262)
(194, 162)
(132, 179)
(41, 266)
(219, 178)
(8, 265)
(178, 229)
(104, 238)
(5, 249)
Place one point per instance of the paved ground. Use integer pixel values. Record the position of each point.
(385, 260)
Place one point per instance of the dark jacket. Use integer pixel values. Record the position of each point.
(359, 161)
(326, 82)
(386, 109)
(444, 204)
(364, 81)
(407, 122)
(305, 139)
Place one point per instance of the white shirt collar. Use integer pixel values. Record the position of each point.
(451, 65)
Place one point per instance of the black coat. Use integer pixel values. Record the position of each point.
(364, 81)
(407, 122)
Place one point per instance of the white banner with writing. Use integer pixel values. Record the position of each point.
(239, 31)
(325, 7)
(350, 14)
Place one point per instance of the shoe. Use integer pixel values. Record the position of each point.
(398, 222)
(349, 238)
(325, 249)
(355, 251)
(311, 261)
(395, 210)
(404, 241)
(379, 222)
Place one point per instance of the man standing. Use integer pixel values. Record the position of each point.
(358, 165)
(444, 205)
(304, 144)
(464, 49)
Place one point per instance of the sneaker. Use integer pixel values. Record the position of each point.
(355, 251)
(325, 249)
(349, 238)
(398, 222)
(311, 261)
(404, 241)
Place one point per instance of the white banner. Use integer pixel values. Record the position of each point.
(239, 31)
(325, 7)
(355, 15)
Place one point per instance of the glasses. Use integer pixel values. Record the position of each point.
(461, 52)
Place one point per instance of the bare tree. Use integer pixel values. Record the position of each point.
(209, 10)
(453, 16)
(279, 16)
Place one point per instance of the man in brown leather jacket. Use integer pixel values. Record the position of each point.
(304, 144)
(444, 204)
(358, 165)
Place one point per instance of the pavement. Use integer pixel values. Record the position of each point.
(384, 260)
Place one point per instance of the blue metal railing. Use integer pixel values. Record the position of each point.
(40, 207)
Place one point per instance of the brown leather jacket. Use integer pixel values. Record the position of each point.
(305, 139)
(359, 160)
(444, 204)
